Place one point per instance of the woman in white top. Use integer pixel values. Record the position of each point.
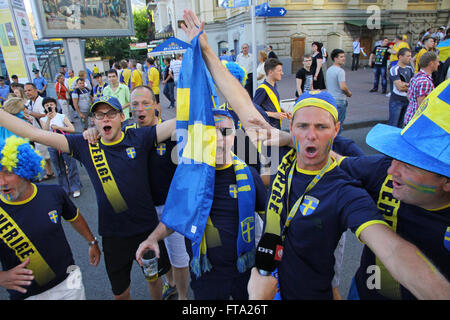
(261, 74)
(57, 122)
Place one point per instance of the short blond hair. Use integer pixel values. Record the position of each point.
(14, 105)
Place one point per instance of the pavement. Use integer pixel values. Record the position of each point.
(365, 110)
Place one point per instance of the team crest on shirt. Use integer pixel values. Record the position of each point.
(315, 92)
(53, 215)
(233, 191)
(447, 239)
(161, 149)
(131, 152)
(308, 205)
(246, 227)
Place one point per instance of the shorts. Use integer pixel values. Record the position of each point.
(119, 254)
(176, 246)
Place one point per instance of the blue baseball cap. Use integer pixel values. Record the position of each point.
(425, 141)
(111, 101)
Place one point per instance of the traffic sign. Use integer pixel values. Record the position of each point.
(263, 10)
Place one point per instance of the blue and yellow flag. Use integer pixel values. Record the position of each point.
(190, 197)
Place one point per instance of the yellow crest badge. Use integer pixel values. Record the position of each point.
(308, 205)
(53, 215)
(131, 153)
(233, 191)
(161, 149)
(246, 227)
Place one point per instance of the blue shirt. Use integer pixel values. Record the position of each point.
(262, 99)
(39, 218)
(161, 168)
(4, 92)
(40, 82)
(335, 204)
(222, 253)
(127, 162)
(429, 230)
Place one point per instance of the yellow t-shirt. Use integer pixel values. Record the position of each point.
(396, 48)
(125, 77)
(136, 78)
(418, 55)
(153, 77)
(95, 70)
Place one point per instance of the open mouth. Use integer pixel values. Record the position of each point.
(311, 151)
(141, 118)
(107, 129)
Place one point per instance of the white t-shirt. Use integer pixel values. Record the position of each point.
(37, 107)
(260, 71)
(58, 120)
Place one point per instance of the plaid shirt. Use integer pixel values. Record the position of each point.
(421, 85)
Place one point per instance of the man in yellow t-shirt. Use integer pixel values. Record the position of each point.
(153, 77)
(135, 76)
(95, 70)
(428, 45)
(400, 43)
(125, 75)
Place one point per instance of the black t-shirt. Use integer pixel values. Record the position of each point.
(381, 55)
(307, 78)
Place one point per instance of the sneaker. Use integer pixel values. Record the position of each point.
(388, 94)
(168, 291)
(76, 194)
(373, 90)
(383, 92)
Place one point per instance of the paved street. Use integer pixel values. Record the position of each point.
(365, 109)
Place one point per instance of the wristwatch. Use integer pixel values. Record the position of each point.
(91, 243)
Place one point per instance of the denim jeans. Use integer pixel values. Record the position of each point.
(377, 72)
(69, 182)
(169, 92)
(342, 111)
(397, 109)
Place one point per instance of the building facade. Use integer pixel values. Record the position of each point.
(335, 23)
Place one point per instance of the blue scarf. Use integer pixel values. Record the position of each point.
(246, 196)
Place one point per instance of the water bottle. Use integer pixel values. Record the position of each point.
(150, 266)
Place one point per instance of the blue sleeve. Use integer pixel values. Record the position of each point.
(346, 147)
(77, 145)
(371, 171)
(70, 211)
(358, 208)
(260, 96)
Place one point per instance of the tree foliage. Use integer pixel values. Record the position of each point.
(117, 48)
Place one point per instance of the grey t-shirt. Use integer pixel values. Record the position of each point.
(334, 76)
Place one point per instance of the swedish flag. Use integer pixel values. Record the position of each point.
(190, 196)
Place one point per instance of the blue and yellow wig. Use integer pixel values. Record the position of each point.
(236, 70)
(19, 157)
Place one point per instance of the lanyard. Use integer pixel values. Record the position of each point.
(299, 201)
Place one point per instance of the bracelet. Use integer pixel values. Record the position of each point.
(91, 243)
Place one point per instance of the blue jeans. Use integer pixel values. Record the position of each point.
(377, 72)
(169, 92)
(69, 182)
(342, 111)
(397, 109)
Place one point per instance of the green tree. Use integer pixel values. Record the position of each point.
(118, 48)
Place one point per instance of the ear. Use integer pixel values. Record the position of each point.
(337, 128)
(446, 185)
